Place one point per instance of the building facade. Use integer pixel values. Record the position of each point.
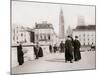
(86, 34)
(44, 33)
(20, 34)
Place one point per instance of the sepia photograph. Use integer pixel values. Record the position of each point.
(52, 37)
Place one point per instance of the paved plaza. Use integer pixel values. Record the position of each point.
(56, 62)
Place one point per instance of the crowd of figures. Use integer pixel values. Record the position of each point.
(71, 48)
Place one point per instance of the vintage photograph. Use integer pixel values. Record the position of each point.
(52, 37)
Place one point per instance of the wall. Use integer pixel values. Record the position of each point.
(85, 37)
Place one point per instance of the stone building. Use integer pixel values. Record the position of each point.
(86, 34)
(44, 33)
(20, 34)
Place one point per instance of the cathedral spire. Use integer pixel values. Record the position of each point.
(61, 24)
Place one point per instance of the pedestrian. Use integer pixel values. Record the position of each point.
(77, 45)
(36, 50)
(92, 47)
(40, 53)
(20, 54)
(61, 47)
(50, 48)
(55, 48)
(68, 50)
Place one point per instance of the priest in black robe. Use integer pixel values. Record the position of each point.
(50, 48)
(77, 45)
(68, 49)
(20, 55)
(40, 53)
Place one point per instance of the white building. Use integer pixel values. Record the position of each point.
(20, 34)
(86, 34)
(44, 33)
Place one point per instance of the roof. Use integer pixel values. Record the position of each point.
(88, 28)
(44, 26)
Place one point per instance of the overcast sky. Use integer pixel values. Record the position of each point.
(27, 13)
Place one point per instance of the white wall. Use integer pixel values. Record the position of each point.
(88, 39)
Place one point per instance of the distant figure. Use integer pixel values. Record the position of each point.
(20, 55)
(50, 48)
(38, 51)
(55, 48)
(92, 47)
(68, 50)
(62, 47)
(77, 45)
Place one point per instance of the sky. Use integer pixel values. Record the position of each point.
(27, 13)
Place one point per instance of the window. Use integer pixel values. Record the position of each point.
(17, 37)
(45, 37)
(84, 44)
(41, 37)
(21, 34)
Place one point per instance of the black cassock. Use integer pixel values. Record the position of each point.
(20, 55)
(36, 52)
(77, 54)
(40, 53)
(68, 50)
(50, 48)
(55, 49)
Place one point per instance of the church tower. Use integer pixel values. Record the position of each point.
(61, 25)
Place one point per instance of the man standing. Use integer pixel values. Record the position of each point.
(50, 48)
(20, 54)
(77, 45)
(40, 53)
(55, 48)
(68, 50)
(61, 47)
(36, 50)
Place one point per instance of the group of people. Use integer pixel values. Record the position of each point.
(38, 52)
(55, 48)
(72, 49)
